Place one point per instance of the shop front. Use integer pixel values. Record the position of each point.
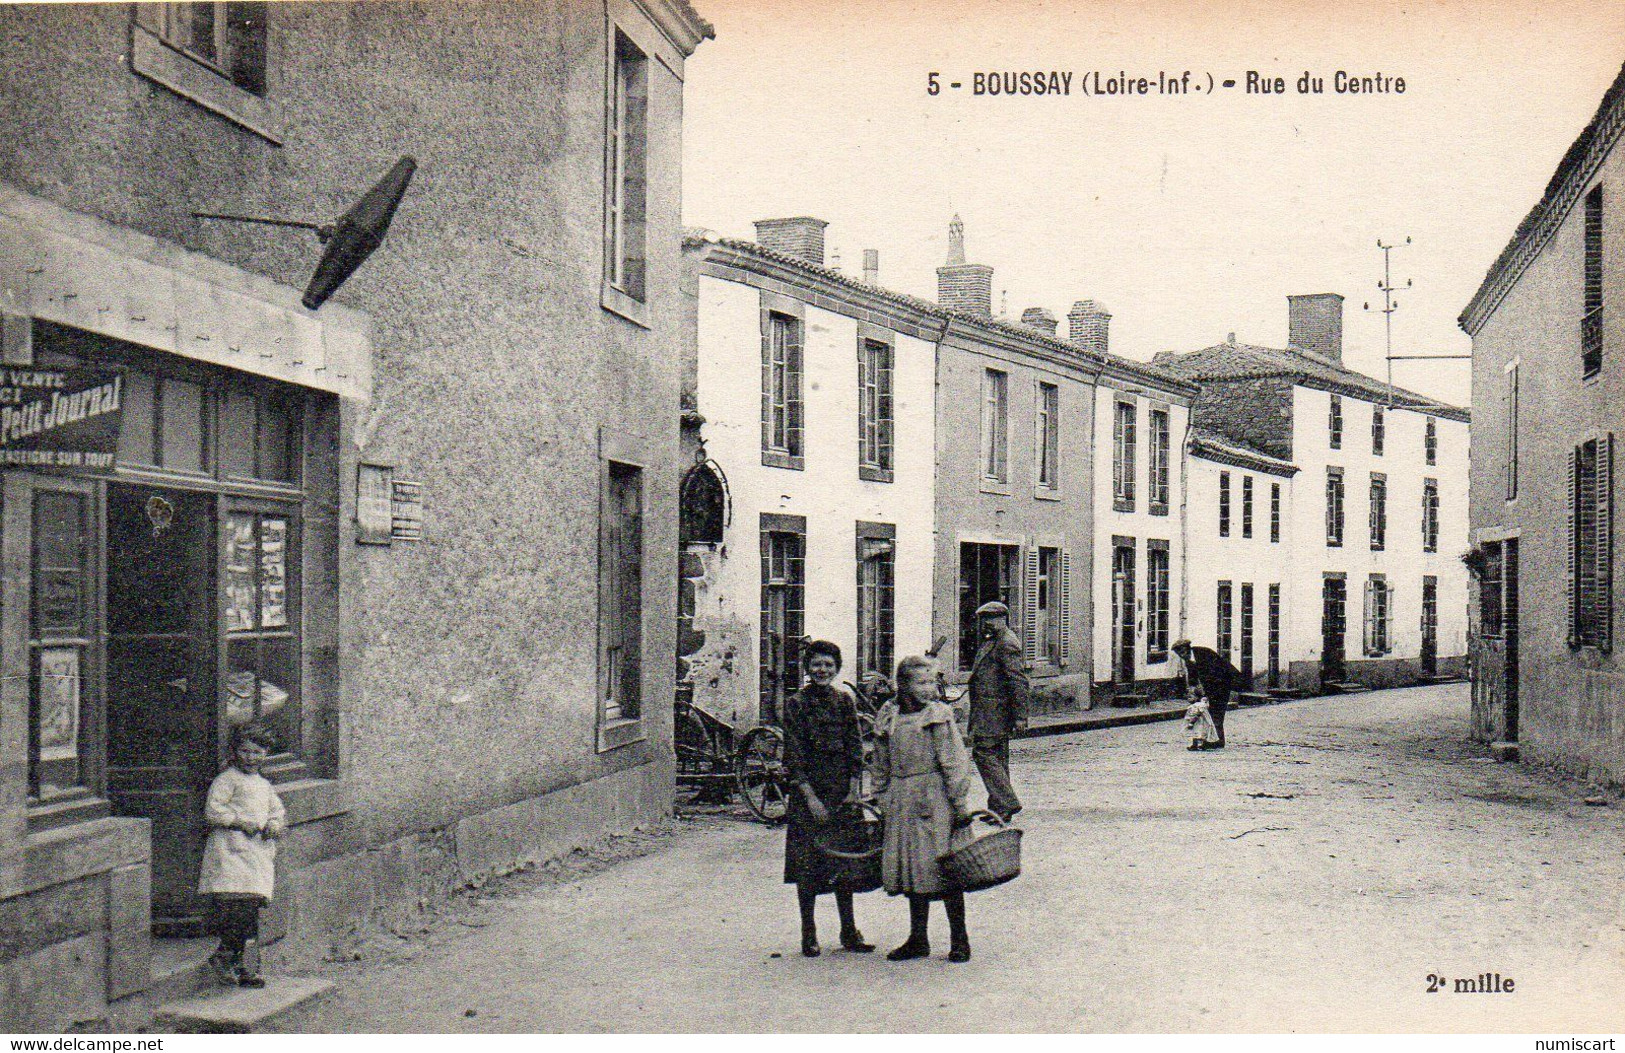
(155, 596)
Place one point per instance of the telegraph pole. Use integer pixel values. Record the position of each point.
(1389, 306)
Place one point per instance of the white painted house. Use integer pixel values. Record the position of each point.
(1376, 593)
(810, 407)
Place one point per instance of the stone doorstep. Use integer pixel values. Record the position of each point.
(284, 1004)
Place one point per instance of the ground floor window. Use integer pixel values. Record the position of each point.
(620, 582)
(1489, 591)
(784, 579)
(1157, 601)
(1379, 599)
(877, 620)
(1046, 604)
(987, 572)
(1246, 663)
(1226, 600)
(1274, 631)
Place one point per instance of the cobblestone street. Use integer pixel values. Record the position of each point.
(1310, 877)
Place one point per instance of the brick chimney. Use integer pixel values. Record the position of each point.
(871, 266)
(1040, 319)
(798, 236)
(1315, 324)
(1089, 325)
(964, 286)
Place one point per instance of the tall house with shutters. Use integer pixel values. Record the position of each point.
(488, 684)
(1549, 403)
(807, 482)
(1368, 588)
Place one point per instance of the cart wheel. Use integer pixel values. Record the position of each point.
(759, 769)
(697, 760)
(866, 733)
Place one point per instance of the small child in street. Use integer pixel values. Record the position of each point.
(1199, 722)
(246, 818)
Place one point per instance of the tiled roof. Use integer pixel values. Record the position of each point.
(698, 237)
(1229, 361)
(1210, 445)
(1597, 138)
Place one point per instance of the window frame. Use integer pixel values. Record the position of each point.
(1224, 504)
(876, 552)
(1159, 457)
(877, 424)
(1246, 505)
(1377, 514)
(1125, 425)
(994, 462)
(620, 724)
(1047, 438)
(1336, 498)
(1275, 513)
(1224, 620)
(1158, 600)
(1513, 399)
(248, 100)
(1430, 440)
(783, 387)
(1006, 559)
(1379, 431)
(628, 69)
(1430, 515)
(1334, 422)
(1592, 286)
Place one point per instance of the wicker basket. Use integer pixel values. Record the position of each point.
(985, 861)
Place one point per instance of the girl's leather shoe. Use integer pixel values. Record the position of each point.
(960, 951)
(853, 941)
(810, 948)
(909, 951)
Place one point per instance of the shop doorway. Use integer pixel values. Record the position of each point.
(163, 735)
(1333, 625)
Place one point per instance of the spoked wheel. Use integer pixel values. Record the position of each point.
(703, 774)
(759, 770)
(866, 732)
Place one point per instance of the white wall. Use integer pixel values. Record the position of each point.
(828, 491)
(1402, 560)
(1139, 524)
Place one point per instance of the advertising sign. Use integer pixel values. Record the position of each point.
(60, 418)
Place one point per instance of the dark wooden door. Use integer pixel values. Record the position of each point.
(163, 742)
(1509, 615)
(1430, 626)
(1333, 629)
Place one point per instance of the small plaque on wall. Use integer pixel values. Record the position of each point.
(374, 504)
(406, 514)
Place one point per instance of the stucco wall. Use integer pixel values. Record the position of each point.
(828, 491)
(1572, 703)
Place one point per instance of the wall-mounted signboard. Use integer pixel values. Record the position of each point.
(374, 503)
(60, 418)
(406, 514)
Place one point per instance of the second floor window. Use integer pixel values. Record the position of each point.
(1512, 432)
(1379, 511)
(875, 410)
(1224, 504)
(1048, 436)
(1430, 441)
(1161, 444)
(1246, 506)
(995, 426)
(1123, 457)
(1334, 423)
(781, 391)
(627, 189)
(1334, 507)
(1591, 318)
(1430, 515)
(1591, 543)
(228, 38)
(1379, 430)
(1275, 513)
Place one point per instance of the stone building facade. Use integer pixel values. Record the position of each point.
(812, 405)
(1378, 594)
(449, 705)
(1548, 402)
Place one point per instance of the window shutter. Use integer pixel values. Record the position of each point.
(1029, 604)
(1604, 615)
(767, 380)
(1370, 618)
(1066, 608)
(864, 424)
(792, 389)
(884, 428)
(1573, 570)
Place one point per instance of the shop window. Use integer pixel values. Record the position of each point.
(620, 575)
(166, 423)
(261, 621)
(987, 572)
(59, 643)
(260, 435)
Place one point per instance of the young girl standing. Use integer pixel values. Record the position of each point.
(922, 776)
(246, 818)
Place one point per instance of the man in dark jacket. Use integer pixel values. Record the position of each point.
(1217, 678)
(998, 706)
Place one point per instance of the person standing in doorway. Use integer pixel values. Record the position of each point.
(1216, 679)
(246, 819)
(999, 689)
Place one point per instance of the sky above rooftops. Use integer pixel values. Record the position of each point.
(1189, 217)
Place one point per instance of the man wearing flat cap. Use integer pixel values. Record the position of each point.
(998, 705)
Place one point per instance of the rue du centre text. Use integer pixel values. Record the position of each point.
(1122, 84)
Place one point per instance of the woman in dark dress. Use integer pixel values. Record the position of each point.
(823, 761)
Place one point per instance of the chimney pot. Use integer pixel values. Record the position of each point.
(1040, 319)
(798, 236)
(964, 286)
(1315, 324)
